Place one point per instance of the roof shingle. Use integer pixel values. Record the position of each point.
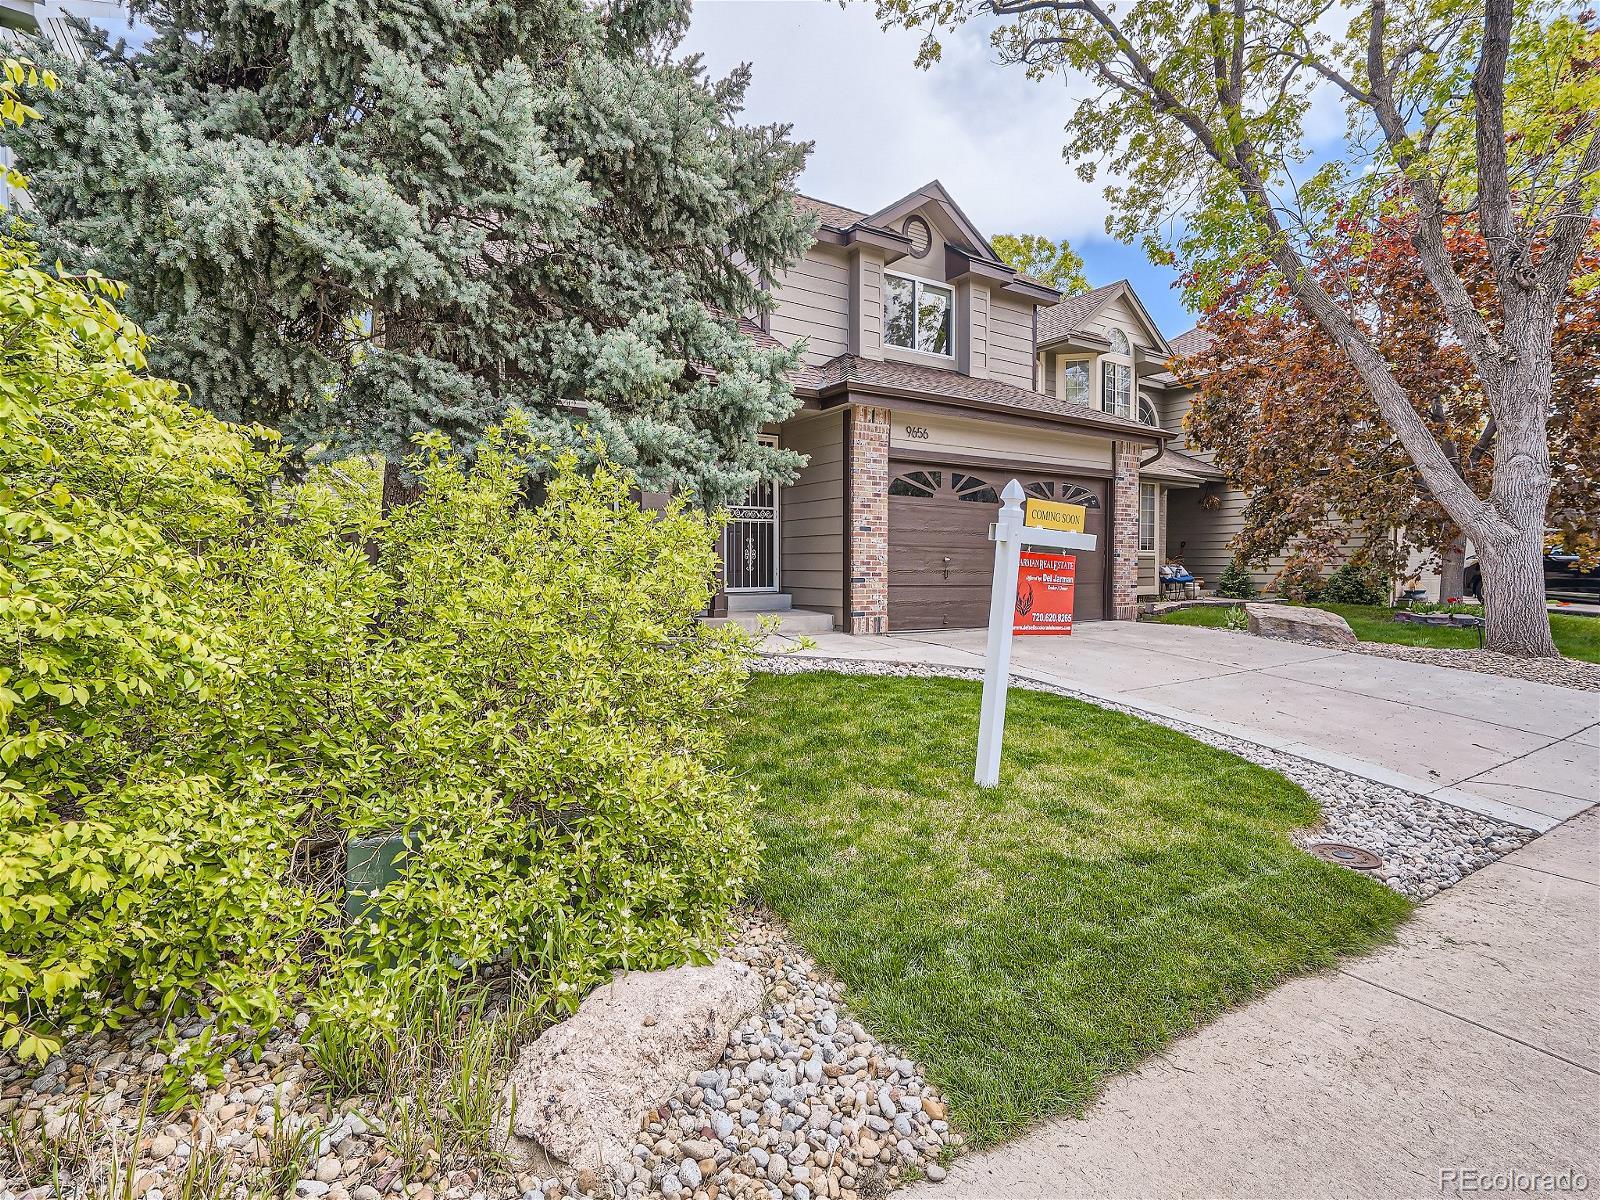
(1067, 315)
(831, 214)
(848, 371)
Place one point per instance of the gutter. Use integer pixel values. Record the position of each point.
(1142, 434)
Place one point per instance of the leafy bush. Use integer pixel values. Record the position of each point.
(214, 687)
(1235, 582)
(1356, 583)
(1299, 581)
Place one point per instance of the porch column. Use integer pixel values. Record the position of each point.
(867, 518)
(1125, 532)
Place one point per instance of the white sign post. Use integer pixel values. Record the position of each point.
(1009, 534)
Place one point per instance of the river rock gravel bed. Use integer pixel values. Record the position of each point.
(1562, 672)
(1425, 846)
(804, 1105)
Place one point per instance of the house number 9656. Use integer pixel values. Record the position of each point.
(917, 433)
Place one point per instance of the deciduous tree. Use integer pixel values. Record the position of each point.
(1054, 263)
(1488, 108)
(355, 224)
(1290, 419)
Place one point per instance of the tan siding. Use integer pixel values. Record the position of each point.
(972, 344)
(812, 517)
(813, 302)
(1004, 443)
(1011, 341)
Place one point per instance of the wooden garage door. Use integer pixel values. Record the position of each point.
(940, 556)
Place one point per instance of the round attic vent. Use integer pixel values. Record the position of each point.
(921, 236)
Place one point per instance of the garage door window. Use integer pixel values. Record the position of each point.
(925, 484)
(1066, 493)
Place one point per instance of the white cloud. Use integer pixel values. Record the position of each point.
(883, 127)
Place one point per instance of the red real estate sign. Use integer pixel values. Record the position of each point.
(1044, 593)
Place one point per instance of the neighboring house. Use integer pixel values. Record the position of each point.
(21, 21)
(933, 374)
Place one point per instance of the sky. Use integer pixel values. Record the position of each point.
(882, 127)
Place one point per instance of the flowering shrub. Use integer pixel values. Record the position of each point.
(210, 686)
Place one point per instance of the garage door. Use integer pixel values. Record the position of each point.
(940, 556)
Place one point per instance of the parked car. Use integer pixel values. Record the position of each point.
(1563, 578)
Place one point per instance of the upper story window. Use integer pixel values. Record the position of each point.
(1147, 411)
(917, 314)
(1116, 377)
(1075, 381)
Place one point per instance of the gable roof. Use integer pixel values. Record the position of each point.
(934, 192)
(1062, 320)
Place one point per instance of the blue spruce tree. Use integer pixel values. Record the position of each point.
(356, 221)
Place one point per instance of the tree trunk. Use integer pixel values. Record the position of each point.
(1453, 568)
(397, 488)
(1516, 617)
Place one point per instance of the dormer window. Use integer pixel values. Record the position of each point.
(917, 314)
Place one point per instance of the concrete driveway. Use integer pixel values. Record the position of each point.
(1462, 1061)
(1523, 752)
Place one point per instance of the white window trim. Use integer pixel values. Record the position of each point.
(918, 281)
(1063, 361)
(1107, 404)
(1155, 517)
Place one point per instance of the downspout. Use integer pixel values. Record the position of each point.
(1161, 448)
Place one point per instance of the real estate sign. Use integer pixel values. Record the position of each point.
(1045, 584)
(1053, 579)
(1048, 514)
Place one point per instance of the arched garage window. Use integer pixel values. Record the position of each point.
(944, 485)
(1066, 493)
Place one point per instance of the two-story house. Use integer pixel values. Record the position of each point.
(932, 374)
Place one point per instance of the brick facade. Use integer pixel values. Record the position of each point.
(867, 532)
(1124, 564)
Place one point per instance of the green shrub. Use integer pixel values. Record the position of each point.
(214, 687)
(1356, 583)
(1299, 581)
(1235, 582)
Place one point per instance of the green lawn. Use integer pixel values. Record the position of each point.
(1576, 637)
(1122, 885)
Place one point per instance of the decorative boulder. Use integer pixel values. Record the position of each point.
(577, 1093)
(1312, 626)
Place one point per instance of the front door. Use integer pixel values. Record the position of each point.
(750, 540)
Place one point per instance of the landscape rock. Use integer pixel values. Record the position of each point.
(1312, 626)
(580, 1089)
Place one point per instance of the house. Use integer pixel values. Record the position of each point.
(932, 374)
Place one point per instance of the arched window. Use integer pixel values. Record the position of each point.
(953, 485)
(1147, 411)
(1116, 376)
(1066, 493)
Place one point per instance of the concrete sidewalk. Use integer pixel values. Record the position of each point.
(1472, 1045)
(1523, 752)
